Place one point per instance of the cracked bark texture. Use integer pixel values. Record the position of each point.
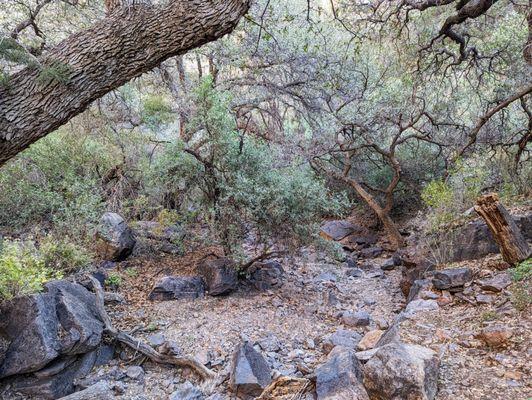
(129, 42)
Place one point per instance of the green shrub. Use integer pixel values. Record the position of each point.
(23, 269)
(63, 255)
(522, 271)
(437, 194)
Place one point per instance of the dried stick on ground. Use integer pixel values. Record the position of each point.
(141, 347)
(512, 244)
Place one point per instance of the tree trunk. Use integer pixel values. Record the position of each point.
(124, 45)
(512, 244)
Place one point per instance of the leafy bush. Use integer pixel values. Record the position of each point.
(23, 269)
(63, 255)
(522, 271)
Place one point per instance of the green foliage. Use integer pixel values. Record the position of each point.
(55, 182)
(522, 271)
(437, 194)
(23, 269)
(63, 255)
(156, 111)
(113, 280)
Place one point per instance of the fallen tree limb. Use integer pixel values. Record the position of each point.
(142, 347)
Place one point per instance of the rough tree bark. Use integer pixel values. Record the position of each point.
(127, 43)
(512, 244)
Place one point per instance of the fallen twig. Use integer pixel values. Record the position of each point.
(141, 347)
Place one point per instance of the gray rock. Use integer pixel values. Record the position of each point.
(342, 337)
(388, 264)
(400, 371)
(340, 377)
(338, 229)
(351, 262)
(176, 288)
(356, 319)
(114, 239)
(496, 284)
(45, 326)
(270, 343)
(354, 272)
(326, 277)
(156, 339)
(220, 275)
(135, 372)
(417, 287)
(266, 275)
(452, 278)
(187, 391)
(250, 373)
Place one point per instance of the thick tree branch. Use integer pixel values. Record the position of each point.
(96, 61)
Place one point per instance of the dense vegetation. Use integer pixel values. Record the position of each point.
(307, 110)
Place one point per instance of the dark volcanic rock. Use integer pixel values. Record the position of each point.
(338, 229)
(452, 278)
(220, 275)
(174, 288)
(114, 238)
(388, 265)
(250, 373)
(266, 275)
(41, 327)
(340, 377)
(402, 371)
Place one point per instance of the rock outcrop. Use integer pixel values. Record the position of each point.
(176, 288)
(266, 275)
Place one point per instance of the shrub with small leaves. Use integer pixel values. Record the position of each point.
(23, 269)
(64, 255)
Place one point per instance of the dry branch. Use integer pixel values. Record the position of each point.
(141, 347)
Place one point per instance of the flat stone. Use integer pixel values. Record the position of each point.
(187, 391)
(371, 252)
(496, 284)
(496, 335)
(388, 264)
(420, 305)
(354, 272)
(452, 278)
(156, 339)
(135, 372)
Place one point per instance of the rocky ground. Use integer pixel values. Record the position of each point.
(475, 326)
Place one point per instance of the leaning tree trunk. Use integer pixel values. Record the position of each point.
(512, 244)
(127, 43)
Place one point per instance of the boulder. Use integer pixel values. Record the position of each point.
(340, 377)
(338, 229)
(266, 275)
(152, 237)
(400, 371)
(61, 321)
(453, 278)
(356, 318)
(114, 239)
(177, 287)
(388, 264)
(220, 275)
(342, 337)
(250, 373)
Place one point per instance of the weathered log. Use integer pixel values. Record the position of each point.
(512, 244)
(142, 347)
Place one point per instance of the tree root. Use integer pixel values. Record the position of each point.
(141, 347)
